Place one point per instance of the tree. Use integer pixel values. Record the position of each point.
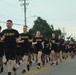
(45, 29)
(52, 27)
(72, 39)
(57, 32)
(42, 26)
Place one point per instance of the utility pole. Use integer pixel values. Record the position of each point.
(64, 32)
(24, 10)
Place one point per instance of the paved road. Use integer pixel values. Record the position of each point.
(67, 67)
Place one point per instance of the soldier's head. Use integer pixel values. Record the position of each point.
(53, 35)
(9, 24)
(38, 33)
(24, 28)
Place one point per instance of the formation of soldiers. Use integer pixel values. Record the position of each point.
(22, 46)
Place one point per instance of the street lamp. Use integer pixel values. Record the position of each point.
(31, 16)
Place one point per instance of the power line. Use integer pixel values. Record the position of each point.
(6, 16)
(35, 9)
(16, 7)
(10, 4)
(39, 10)
(13, 23)
(13, 5)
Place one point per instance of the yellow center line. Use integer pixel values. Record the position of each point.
(41, 70)
(33, 72)
(30, 72)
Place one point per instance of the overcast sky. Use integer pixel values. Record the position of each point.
(60, 13)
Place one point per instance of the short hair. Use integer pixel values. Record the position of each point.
(0, 27)
(9, 21)
(38, 31)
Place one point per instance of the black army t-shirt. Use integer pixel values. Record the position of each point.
(39, 41)
(61, 41)
(10, 38)
(25, 37)
(46, 43)
(53, 42)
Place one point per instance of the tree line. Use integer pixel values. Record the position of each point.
(46, 29)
